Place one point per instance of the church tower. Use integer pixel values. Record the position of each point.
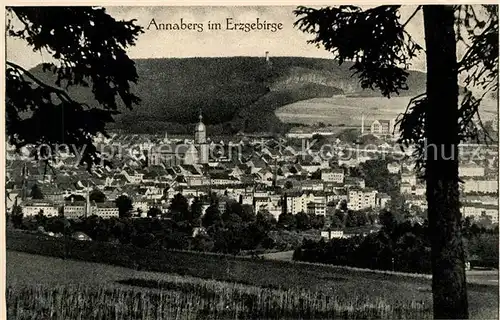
(200, 140)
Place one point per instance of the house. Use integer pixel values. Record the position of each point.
(418, 189)
(74, 209)
(34, 207)
(255, 163)
(261, 203)
(238, 171)
(354, 182)
(312, 185)
(275, 205)
(197, 180)
(413, 201)
(53, 194)
(317, 208)
(393, 167)
(382, 200)
(333, 186)
(476, 211)
(266, 176)
(246, 198)
(296, 133)
(479, 186)
(332, 175)
(118, 180)
(222, 178)
(484, 199)
(332, 234)
(409, 178)
(311, 167)
(359, 199)
(11, 198)
(141, 205)
(340, 234)
(288, 154)
(470, 169)
(153, 191)
(381, 127)
(405, 188)
(284, 171)
(336, 195)
(192, 192)
(112, 193)
(105, 210)
(132, 176)
(167, 154)
(298, 202)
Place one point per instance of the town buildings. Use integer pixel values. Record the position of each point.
(268, 174)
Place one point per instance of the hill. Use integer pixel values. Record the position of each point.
(234, 93)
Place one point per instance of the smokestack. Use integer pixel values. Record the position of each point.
(267, 56)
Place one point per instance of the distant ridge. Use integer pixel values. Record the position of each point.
(235, 93)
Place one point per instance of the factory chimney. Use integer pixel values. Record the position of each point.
(362, 124)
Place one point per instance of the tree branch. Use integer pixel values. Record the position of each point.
(471, 48)
(412, 15)
(60, 92)
(63, 95)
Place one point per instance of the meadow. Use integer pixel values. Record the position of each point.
(68, 289)
(347, 111)
(98, 275)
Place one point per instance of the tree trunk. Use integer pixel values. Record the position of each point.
(441, 128)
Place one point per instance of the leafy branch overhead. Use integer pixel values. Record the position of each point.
(88, 48)
(373, 39)
(479, 70)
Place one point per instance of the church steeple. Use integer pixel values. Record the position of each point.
(200, 140)
(200, 132)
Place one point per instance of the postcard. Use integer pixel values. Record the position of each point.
(251, 162)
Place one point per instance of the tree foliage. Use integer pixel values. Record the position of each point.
(212, 217)
(124, 205)
(375, 40)
(36, 192)
(478, 68)
(154, 212)
(97, 196)
(17, 216)
(179, 208)
(196, 210)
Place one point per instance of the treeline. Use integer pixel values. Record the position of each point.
(229, 227)
(343, 217)
(398, 246)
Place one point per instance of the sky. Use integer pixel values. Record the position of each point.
(215, 43)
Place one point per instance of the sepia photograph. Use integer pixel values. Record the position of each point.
(251, 162)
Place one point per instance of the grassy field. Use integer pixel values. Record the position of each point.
(352, 289)
(283, 255)
(342, 110)
(67, 289)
